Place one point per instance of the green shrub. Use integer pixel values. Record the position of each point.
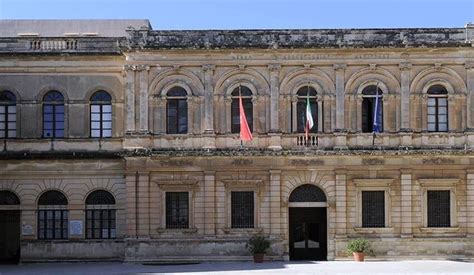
(359, 245)
(257, 245)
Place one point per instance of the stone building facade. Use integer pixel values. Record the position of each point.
(120, 142)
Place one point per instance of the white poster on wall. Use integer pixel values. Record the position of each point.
(75, 227)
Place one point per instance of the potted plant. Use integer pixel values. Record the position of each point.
(258, 245)
(358, 248)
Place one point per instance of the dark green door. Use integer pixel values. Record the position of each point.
(9, 236)
(308, 233)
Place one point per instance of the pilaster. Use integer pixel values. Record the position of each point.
(405, 69)
(129, 71)
(143, 97)
(275, 202)
(208, 70)
(470, 202)
(340, 90)
(274, 96)
(341, 203)
(209, 203)
(470, 94)
(406, 203)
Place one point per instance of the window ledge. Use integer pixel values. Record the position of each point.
(439, 229)
(374, 230)
(251, 231)
(174, 231)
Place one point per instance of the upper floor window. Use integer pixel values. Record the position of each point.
(437, 109)
(248, 108)
(53, 115)
(100, 215)
(101, 114)
(176, 111)
(306, 95)
(52, 216)
(7, 115)
(372, 109)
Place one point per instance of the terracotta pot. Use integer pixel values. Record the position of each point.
(358, 256)
(258, 258)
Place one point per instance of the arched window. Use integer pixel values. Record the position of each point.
(248, 108)
(437, 109)
(100, 215)
(304, 94)
(7, 115)
(8, 198)
(52, 216)
(370, 94)
(101, 114)
(53, 115)
(176, 111)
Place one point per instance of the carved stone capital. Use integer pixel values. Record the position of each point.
(241, 67)
(372, 67)
(274, 67)
(208, 67)
(469, 65)
(143, 68)
(405, 66)
(294, 98)
(129, 67)
(339, 67)
(438, 66)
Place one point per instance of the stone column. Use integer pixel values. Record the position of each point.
(129, 98)
(340, 91)
(341, 203)
(386, 113)
(405, 69)
(470, 202)
(294, 122)
(160, 115)
(358, 100)
(143, 192)
(424, 112)
(274, 96)
(131, 178)
(319, 101)
(470, 96)
(406, 207)
(452, 113)
(143, 98)
(228, 114)
(275, 202)
(208, 70)
(210, 203)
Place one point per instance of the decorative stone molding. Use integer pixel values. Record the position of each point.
(209, 67)
(373, 182)
(274, 67)
(339, 67)
(405, 66)
(439, 182)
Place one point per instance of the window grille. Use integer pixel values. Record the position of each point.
(52, 217)
(242, 204)
(235, 111)
(439, 208)
(373, 208)
(177, 210)
(100, 215)
(307, 193)
(7, 115)
(101, 114)
(53, 115)
(177, 111)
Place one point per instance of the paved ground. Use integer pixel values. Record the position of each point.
(293, 268)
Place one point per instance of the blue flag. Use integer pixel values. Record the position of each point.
(377, 127)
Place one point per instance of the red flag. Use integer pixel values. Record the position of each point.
(245, 133)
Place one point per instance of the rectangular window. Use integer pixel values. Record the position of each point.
(101, 120)
(52, 224)
(242, 205)
(437, 114)
(100, 224)
(177, 210)
(439, 208)
(373, 208)
(7, 121)
(53, 121)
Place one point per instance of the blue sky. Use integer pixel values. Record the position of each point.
(253, 14)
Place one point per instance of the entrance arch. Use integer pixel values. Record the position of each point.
(307, 223)
(9, 227)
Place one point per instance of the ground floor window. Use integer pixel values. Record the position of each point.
(100, 224)
(177, 210)
(242, 209)
(373, 208)
(439, 211)
(52, 224)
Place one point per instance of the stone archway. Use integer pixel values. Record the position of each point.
(307, 223)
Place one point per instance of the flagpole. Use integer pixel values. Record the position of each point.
(240, 98)
(375, 127)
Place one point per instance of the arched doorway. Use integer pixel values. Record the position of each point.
(9, 227)
(307, 223)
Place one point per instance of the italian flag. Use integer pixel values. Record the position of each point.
(309, 118)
